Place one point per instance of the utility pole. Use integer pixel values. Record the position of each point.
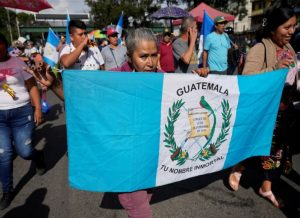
(9, 26)
(17, 22)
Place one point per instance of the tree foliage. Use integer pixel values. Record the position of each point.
(106, 12)
(24, 19)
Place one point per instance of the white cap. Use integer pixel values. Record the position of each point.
(33, 50)
(22, 39)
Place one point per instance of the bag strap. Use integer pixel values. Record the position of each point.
(265, 58)
(111, 50)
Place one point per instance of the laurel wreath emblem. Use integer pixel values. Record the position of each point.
(177, 154)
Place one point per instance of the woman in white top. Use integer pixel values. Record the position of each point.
(18, 95)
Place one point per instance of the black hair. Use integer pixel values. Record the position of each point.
(273, 19)
(3, 39)
(76, 24)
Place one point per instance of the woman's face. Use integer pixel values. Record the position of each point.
(3, 51)
(145, 56)
(284, 32)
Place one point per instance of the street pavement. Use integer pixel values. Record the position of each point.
(204, 196)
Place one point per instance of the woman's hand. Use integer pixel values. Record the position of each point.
(44, 76)
(283, 63)
(202, 71)
(38, 115)
(193, 34)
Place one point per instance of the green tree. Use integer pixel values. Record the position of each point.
(10, 21)
(106, 12)
(25, 19)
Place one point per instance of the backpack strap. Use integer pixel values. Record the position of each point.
(265, 58)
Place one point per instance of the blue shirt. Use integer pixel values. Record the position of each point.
(217, 46)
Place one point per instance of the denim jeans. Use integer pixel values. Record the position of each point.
(16, 128)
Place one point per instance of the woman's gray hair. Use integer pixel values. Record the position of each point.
(137, 35)
(186, 23)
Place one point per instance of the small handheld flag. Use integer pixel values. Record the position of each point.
(68, 38)
(50, 53)
(207, 27)
(120, 25)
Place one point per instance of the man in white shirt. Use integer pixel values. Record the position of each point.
(79, 54)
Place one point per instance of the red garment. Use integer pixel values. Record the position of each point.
(166, 57)
(137, 203)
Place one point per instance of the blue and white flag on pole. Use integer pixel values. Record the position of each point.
(119, 27)
(68, 38)
(131, 131)
(50, 54)
(206, 28)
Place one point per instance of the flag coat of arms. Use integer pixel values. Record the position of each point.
(50, 54)
(131, 131)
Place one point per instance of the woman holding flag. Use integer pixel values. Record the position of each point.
(142, 52)
(274, 52)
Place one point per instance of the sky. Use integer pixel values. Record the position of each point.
(73, 6)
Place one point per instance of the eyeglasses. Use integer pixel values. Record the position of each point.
(222, 23)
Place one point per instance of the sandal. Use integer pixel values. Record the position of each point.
(271, 197)
(234, 180)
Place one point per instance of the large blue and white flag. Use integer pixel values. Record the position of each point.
(68, 38)
(120, 25)
(50, 54)
(131, 131)
(206, 28)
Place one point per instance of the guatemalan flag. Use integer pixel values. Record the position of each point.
(131, 131)
(119, 27)
(50, 54)
(68, 38)
(206, 28)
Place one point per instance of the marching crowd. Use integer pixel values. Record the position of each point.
(22, 71)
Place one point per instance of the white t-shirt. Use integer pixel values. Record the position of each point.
(88, 60)
(12, 73)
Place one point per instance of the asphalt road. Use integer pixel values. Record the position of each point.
(204, 196)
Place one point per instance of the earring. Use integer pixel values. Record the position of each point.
(264, 22)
